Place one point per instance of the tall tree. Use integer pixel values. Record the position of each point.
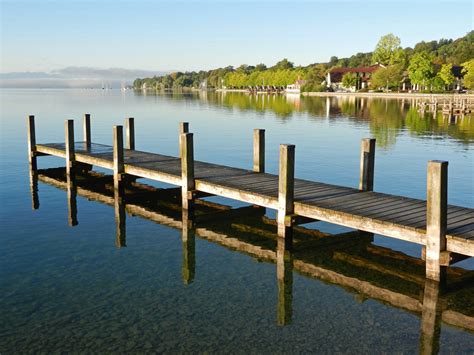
(283, 64)
(388, 77)
(421, 68)
(446, 74)
(385, 49)
(468, 71)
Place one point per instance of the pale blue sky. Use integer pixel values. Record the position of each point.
(165, 35)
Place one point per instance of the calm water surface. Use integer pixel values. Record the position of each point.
(73, 289)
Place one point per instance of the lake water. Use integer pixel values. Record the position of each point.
(72, 289)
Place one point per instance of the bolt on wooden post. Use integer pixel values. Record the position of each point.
(130, 133)
(367, 164)
(118, 156)
(259, 150)
(286, 187)
(436, 218)
(86, 126)
(187, 168)
(70, 152)
(31, 142)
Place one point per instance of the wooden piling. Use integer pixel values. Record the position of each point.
(70, 152)
(86, 125)
(367, 164)
(187, 168)
(286, 187)
(118, 156)
(31, 142)
(259, 150)
(130, 133)
(183, 127)
(436, 218)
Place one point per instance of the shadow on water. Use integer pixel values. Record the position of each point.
(387, 118)
(348, 260)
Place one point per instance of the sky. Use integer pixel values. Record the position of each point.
(193, 35)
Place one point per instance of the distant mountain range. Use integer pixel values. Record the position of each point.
(76, 77)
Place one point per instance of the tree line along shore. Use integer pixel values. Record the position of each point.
(434, 66)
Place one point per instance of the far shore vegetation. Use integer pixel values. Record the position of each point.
(428, 65)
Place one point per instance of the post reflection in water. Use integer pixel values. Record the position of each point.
(34, 187)
(284, 261)
(72, 198)
(349, 260)
(120, 216)
(431, 318)
(189, 247)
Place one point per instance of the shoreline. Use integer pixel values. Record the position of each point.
(394, 95)
(387, 95)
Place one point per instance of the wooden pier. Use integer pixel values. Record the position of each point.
(446, 232)
(348, 260)
(449, 105)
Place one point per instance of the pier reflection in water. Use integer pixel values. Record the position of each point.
(349, 260)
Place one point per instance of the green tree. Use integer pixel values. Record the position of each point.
(421, 69)
(349, 80)
(468, 71)
(283, 64)
(317, 73)
(388, 77)
(446, 74)
(385, 49)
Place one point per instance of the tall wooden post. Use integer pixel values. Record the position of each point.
(367, 164)
(189, 248)
(187, 168)
(259, 150)
(183, 127)
(286, 187)
(31, 142)
(86, 125)
(285, 283)
(430, 318)
(130, 133)
(118, 156)
(436, 218)
(70, 153)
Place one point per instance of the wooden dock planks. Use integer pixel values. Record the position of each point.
(394, 216)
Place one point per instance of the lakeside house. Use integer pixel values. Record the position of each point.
(296, 87)
(363, 74)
